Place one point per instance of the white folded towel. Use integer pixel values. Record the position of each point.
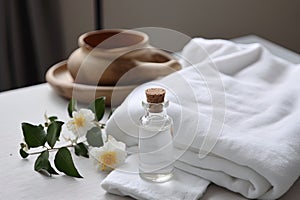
(125, 181)
(252, 107)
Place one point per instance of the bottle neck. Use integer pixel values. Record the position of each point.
(155, 109)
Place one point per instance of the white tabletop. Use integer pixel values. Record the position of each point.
(18, 180)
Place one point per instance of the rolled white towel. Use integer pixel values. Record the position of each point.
(251, 105)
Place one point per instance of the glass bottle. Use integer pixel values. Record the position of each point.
(156, 138)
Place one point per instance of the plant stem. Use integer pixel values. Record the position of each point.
(52, 149)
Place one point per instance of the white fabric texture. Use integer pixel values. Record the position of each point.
(240, 94)
(125, 181)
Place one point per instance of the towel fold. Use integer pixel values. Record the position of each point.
(236, 113)
(125, 181)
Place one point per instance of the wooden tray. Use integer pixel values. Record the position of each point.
(63, 84)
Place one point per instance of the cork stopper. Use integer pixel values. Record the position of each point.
(155, 95)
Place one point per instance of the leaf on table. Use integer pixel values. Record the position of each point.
(98, 107)
(23, 153)
(34, 136)
(94, 137)
(72, 106)
(43, 165)
(64, 163)
(53, 132)
(81, 150)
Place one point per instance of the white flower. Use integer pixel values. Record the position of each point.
(111, 155)
(82, 121)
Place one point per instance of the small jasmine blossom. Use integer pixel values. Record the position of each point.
(111, 155)
(82, 121)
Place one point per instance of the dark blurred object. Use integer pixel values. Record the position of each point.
(98, 17)
(31, 40)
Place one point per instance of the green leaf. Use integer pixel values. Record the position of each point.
(98, 107)
(49, 120)
(81, 150)
(53, 132)
(43, 165)
(94, 137)
(34, 136)
(64, 163)
(72, 106)
(111, 112)
(52, 118)
(23, 153)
